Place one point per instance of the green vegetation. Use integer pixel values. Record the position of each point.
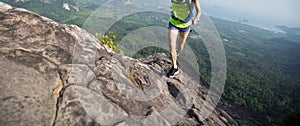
(292, 119)
(54, 9)
(132, 22)
(149, 51)
(109, 41)
(263, 67)
(263, 70)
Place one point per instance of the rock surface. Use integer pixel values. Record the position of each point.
(56, 74)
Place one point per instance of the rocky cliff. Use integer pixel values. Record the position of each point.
(57, 74)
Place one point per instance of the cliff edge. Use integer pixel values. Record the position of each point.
(57, 74)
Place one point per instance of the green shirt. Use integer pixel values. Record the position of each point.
(179, 24)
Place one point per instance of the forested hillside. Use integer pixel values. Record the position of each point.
(54, 9)
(263, 67)
(263, 70)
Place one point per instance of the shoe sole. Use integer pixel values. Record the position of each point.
(174, 74)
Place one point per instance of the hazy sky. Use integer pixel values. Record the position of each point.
(287, 11)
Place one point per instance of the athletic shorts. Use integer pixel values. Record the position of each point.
(171, 26)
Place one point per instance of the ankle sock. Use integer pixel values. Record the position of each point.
(175, 66)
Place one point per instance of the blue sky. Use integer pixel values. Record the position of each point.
(285, 12)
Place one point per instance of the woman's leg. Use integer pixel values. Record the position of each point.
(172, 41)
(182, 40)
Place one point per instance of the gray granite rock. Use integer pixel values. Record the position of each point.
(4, 6)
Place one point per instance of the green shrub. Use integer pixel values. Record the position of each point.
(109, 41)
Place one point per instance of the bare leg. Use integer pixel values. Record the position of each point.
(172, 41)
(181, 41)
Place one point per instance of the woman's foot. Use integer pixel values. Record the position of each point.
(173, 72)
